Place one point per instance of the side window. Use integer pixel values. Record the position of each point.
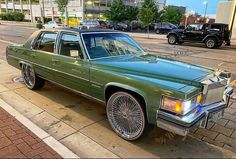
(70, 45)
(215, 27)
(46, 42)
(194, 27)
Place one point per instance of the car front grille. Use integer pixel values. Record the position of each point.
(213, 90)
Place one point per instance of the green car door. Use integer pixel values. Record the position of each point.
(42, 52)
(69, 63)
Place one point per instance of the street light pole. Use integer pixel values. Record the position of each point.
(206, 6)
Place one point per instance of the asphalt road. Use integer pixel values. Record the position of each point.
(222, 58)
(81, 124)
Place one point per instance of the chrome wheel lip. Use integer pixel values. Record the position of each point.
(132, 124)
(28, 76)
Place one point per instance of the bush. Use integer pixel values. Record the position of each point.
(12, 16)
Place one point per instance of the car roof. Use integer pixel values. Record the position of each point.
(81, 30)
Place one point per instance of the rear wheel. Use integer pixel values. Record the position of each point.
(126, 115)
(172, 39)
(31, 80)
(211, 43)
(157, 31)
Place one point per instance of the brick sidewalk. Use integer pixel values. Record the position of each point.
(223, 132)
(16, 141)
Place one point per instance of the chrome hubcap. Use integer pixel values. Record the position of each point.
(125, 116)
(28, 75)
(210, 43)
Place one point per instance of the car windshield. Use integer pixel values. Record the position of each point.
(101, 45)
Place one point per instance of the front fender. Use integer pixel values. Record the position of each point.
(176, 34)
(127, 87)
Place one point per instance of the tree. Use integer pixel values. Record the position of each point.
(171, 15)
(131, 13)
(62, 7)
(116, 12)
(148, 13)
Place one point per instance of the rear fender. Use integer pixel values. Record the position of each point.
(211, 36)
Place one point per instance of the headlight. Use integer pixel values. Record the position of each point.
(179, 106)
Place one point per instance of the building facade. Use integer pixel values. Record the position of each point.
(77, 9)
(227, 14)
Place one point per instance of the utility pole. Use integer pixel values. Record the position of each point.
(13, 5)
(206, 6)
(52, 10)
(21, 6)
(83, 10)
(0, 6)
(42, 11)
(30, 8)
(6, 2)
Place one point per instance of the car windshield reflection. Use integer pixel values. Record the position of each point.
(101, 45)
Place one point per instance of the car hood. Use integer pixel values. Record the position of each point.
(177, 30)
(155, 67)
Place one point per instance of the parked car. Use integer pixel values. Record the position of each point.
(110, 24)
(212, 35)
(123, 26)
(137, 88)
(164, 27)
(53, 24)
(93, 24)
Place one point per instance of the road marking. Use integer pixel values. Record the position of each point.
(8, 42)
(48, 139)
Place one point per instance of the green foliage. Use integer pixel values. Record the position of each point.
(12, 16)
(119, 12)
(116, 12)
(172, 15)
(131, 13)
(62, 4)
(148, 13)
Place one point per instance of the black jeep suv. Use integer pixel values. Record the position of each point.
(213, 35)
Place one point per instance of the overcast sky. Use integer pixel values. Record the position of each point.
(197, 5)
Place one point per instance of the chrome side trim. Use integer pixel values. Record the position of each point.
(22, 60)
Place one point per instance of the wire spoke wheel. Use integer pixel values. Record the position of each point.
(28, 76)
(125, 116)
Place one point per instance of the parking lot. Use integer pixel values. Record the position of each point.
(81, 124)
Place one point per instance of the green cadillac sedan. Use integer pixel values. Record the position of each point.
(137, 88)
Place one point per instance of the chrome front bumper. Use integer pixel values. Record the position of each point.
(198, 117)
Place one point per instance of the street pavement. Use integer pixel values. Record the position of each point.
(81, 124)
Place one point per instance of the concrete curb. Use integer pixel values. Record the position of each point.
(49, 140)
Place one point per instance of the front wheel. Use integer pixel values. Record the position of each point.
(126, 116)
(172, 39)
(211, 43)
(31, 80)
